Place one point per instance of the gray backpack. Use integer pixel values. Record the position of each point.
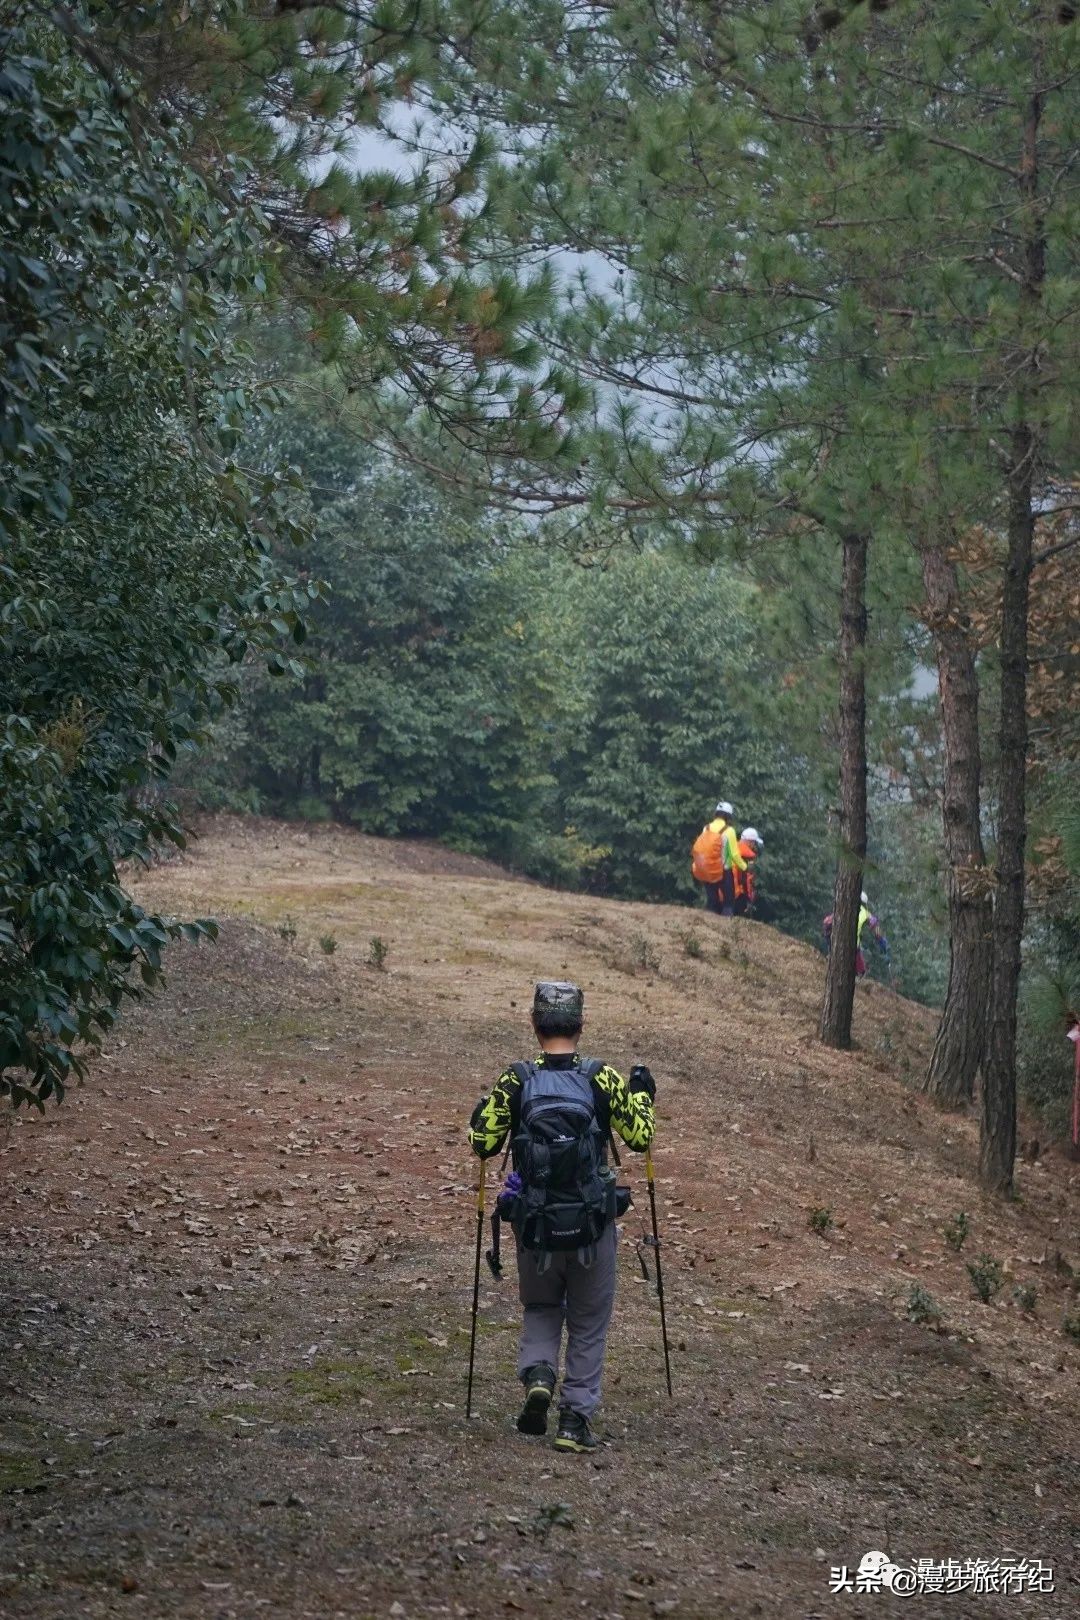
(567, 1194)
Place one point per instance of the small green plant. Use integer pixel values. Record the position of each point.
(986, 1277)
(1025, 1296)
(819, 1220)
(378, 951)
(327, 944)
(643, 954)
(691, 944)
(955, 1232)
(552, 1514)
(1071, 1326)
(922, 1307)
(287, 930)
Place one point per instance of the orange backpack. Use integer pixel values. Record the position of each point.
(707, 856)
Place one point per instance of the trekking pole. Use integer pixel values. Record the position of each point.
(659, 1272)
(476, 1283)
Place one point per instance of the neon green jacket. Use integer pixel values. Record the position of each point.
(732, 855)
(631, 1113)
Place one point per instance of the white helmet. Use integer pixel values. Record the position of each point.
(724, 809)
(864, 898)
(752, 836)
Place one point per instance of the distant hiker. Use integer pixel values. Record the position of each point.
(715, 858)
(866, 920)
(560, 1199)
(750, 846)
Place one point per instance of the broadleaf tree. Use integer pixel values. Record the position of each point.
(137, 557)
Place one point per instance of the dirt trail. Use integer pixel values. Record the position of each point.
(237, 1271)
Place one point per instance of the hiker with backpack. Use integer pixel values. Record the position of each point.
(715, 858)
(750, 846)
(561, 1200)
(866, 920)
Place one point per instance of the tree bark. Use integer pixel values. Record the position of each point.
(997, 1136)
(961, 1036)
(840, 974)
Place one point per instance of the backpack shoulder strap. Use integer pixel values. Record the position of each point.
(523, 1070)
(590, 1067)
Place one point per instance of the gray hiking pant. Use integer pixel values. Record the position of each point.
(583, 1297)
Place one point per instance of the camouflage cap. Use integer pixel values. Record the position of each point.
(553, 995)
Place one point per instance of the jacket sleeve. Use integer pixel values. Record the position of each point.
(493, 1116)
(732, 856)
(632, 1112)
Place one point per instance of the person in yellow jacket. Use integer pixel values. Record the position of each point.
(866, 920)
(735, 869)
(559, 1112)
(715, 858)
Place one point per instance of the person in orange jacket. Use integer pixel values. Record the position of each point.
(708, 857)
(750, 846)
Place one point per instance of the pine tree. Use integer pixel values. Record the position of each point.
(840, 266)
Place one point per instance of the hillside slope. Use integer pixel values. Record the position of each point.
(238, 1273)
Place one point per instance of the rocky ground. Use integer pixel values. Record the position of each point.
(237, 1273)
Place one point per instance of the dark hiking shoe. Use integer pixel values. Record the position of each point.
(574, 1433)
(539, 1384)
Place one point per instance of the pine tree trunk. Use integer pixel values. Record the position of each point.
(961, 1036)
(840, 975)
(997, 1137)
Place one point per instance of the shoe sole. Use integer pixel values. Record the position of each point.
(534, 1414)
(563, 1442)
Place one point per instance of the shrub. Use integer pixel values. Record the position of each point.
(327, 944)
(986, 1277)
(643, 954)
(819, 1220)
(378, 951)
(955, 1231)
(922, 1307)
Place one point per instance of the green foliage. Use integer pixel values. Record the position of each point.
(1025, 1296)
(378, 951)
(671, 664)
(809, 320)
(922, 1307)
(956, 1230)
(327, 944)
(376, 249)
(550, 1516)
(574, 718)
(820, 1220)
(986, 1277)
(136, 568)
(1070, 1325)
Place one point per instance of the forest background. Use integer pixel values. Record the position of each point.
(587, 414)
